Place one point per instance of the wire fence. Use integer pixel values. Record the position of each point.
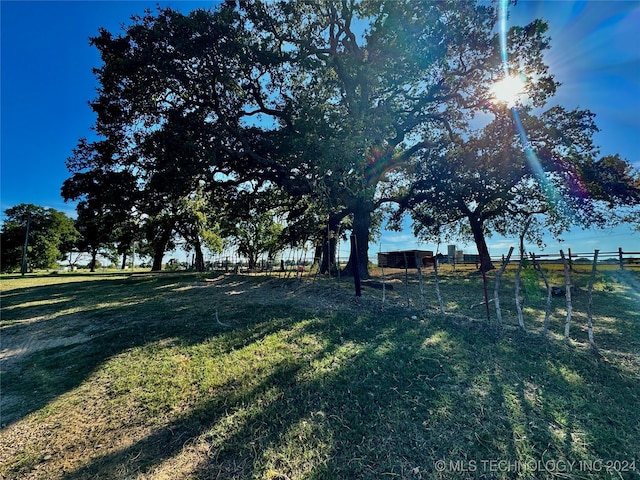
(618, 259)
(303, 261)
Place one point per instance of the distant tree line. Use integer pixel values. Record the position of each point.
(302, 121)
(35, 237)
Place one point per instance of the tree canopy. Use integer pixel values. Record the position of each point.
(339, 106)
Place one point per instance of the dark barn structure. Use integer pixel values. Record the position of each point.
(405, 259)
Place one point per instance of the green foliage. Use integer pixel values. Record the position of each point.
(51, 236)
(492, 180)
(196, 225)
(257, 235)
(335, 106)
(106, 201)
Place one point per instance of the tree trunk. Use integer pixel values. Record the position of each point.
(478, 235)
(160, 245)
(361, 225)
(329, 244)
(252, 260)
(317, 255)
(199, 263)
(92, 264)
(356, 272)
(124, 260)
(158, 253)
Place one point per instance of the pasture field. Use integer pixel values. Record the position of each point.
(214, 376)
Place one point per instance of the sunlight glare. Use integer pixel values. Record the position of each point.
(508, 90)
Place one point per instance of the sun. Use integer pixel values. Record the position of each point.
(508, 90)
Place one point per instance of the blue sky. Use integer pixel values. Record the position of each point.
(47, 80)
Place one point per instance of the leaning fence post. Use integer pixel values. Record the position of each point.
(547, 312)
(419, 267)
(496, 291)
(567, 280)
(590, 301)
(484, 285)
(435, 274)
(406, 277)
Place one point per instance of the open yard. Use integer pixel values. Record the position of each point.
(176, 376)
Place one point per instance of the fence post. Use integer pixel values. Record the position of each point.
(547, 312)
(406, 277)
(570, 260)
(620, 258)
(590, 299)
(356, 269)
(486, 293)
(435, 274)
(567, 279)
(419, 267)
(496, 291)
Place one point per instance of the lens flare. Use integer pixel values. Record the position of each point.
(509, 90)
(502, 18)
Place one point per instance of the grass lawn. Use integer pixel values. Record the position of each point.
(176, 376)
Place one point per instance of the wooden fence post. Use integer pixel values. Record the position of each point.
(590, 300)
(486, 294)
(570, 260)
(621, 260)
(547, 312)
(496, 295)
(356, 269)
(419, 267)
(435, 274)
(384, 283)
(567, 281)
(406, 277)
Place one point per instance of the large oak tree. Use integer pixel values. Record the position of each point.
(323, 99)
(368, 86)
(520, 166)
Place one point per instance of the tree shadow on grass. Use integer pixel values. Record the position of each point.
(382, 397)
(297, 406)
(55, 336)
(379, 395)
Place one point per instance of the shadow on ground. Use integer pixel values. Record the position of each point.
(353, 392)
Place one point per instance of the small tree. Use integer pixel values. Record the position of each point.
(106, 201)
(256, 235)
(198, 229)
